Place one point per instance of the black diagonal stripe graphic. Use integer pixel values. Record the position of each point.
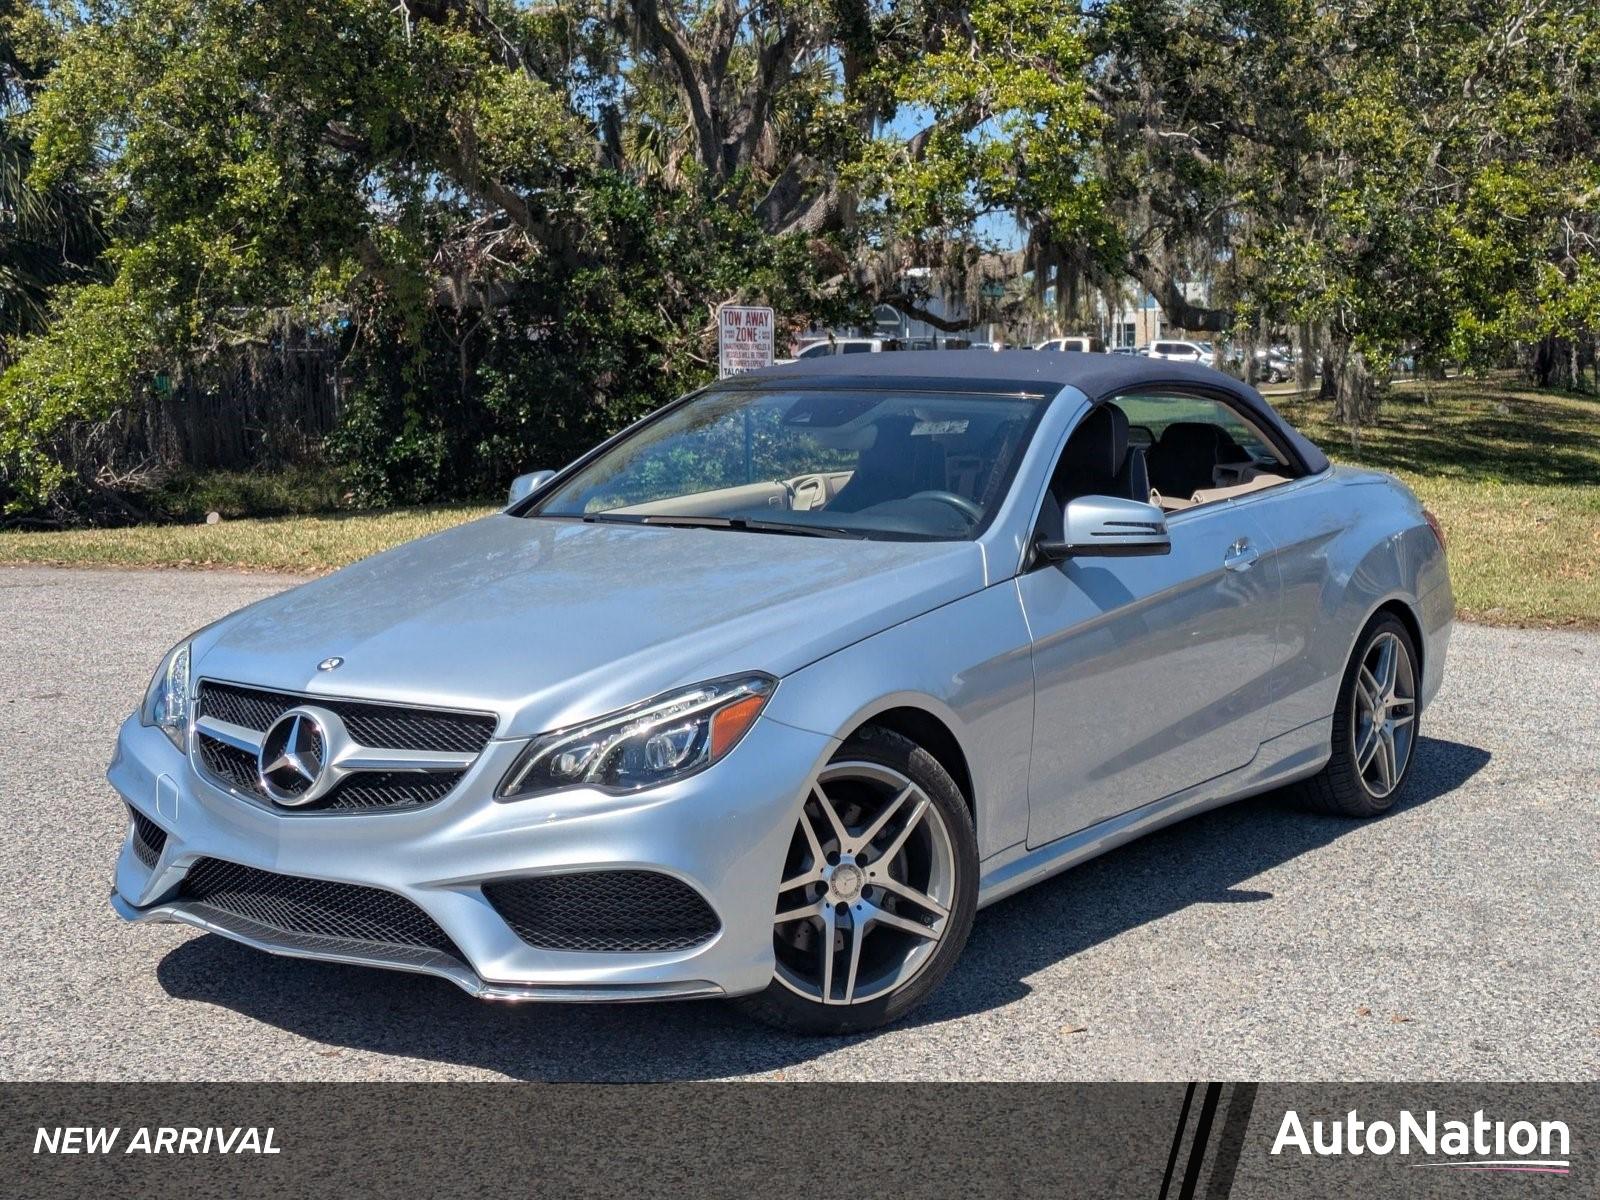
(1177, 1141)
(1230, 1143)
(1202, 1135)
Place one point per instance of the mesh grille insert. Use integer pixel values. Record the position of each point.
(230, 764)
(382, 726)
(387, 790)
(149, 839)
(604, 911)
(312, 907)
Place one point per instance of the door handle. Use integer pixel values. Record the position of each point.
(1241, 556)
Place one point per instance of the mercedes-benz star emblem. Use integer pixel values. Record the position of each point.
(293, 758)
(330, 664)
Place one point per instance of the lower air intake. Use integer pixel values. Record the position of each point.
(310, 908)
(604, 911)
(149, 839)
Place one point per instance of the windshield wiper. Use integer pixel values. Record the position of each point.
(746, 525)
(611, 519)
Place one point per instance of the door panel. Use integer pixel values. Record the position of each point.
(1303, 522)
(1151, 674)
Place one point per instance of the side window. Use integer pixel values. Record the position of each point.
(816, 351)
(856, 348)
(1198, 450)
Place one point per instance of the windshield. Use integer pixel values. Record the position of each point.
(823, 462)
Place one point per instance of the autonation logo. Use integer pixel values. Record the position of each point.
(1480, 1144)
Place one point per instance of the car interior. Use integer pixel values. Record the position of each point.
(928, 466)
(935, 465)
(1170, 458)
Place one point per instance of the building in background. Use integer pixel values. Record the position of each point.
(1132, 320)
(1135, 319)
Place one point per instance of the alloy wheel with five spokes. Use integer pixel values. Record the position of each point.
(877, 892)
(1383, 714)
(871, 896)
(1374, 736)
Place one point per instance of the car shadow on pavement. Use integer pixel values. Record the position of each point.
(1200, 861)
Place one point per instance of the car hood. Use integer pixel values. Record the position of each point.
(548, 622)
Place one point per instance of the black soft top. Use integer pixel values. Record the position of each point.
(1098, 376)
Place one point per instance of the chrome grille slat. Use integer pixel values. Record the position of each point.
(390, 727)
(381, 727)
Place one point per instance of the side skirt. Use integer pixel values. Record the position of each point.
(1290, 756)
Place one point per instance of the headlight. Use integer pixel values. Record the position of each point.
(662, 739)
(166, 700)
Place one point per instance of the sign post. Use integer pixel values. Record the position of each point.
(744, 339)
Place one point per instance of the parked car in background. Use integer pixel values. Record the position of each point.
(1273, 366)
(1083, 345)
(822, 347)
(681, 722)
(1189, 352)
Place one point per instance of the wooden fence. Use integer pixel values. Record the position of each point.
(259, 404)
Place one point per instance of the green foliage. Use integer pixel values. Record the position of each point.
(520, 219)
(1393, 176)
(49, 230)
(431, 184)
(587, 345)
(189, 496)
(67, 386)
(996, 83)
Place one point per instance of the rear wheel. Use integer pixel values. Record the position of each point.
(878, 891)
(1374, 726)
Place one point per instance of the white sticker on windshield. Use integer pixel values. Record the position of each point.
(937, 428)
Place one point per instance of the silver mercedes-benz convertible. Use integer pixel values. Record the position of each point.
(766, 696)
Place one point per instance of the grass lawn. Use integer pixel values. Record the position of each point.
(303, 544)
(1513, 474)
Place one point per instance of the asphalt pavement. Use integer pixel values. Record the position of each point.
(1453, 939)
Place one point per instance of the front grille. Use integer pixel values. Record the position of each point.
(380, 726)
(230, 764)
(604, 911)
(265, 902)
(388, 726)
(386, 790)
(149, 839)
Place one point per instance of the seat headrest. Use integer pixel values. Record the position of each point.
(1190, 437)
(1098, 446)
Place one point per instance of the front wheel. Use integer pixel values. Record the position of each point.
(1374, 726)
(878, 891)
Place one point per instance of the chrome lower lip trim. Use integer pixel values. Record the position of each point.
(440, 965)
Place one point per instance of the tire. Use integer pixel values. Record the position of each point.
(904, 820)
(1352, 782)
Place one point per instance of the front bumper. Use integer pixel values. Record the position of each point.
(723, 832)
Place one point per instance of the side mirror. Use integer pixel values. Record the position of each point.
(524, 486)
(1105, 526)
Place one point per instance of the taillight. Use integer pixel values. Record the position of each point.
(1433, 524)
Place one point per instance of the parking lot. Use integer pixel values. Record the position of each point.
(1454, 938)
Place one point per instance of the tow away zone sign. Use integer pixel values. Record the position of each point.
(744, 339)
